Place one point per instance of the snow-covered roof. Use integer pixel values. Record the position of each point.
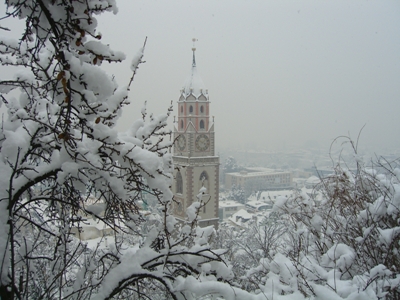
(257, 174)
(261, 169)
(242, 214)
(258, 203)
(194, 84)
(313, 180)
(268, 196)
(229, 203)
(242, 217)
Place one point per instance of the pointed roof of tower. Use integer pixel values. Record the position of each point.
(194, 84)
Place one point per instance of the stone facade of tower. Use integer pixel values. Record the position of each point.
(196, 165)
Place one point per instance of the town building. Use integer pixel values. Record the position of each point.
(228, 207)
(196, 164)
(259, 179)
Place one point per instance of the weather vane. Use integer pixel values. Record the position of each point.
(194, 41)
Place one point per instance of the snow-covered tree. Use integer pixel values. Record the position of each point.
(230, 165)
(58, 147)
(237, 194)
(262, 238)
(345, 246)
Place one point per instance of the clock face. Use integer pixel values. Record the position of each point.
(181, 142)
(202, 142)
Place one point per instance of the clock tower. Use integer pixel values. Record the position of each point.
(196, 165)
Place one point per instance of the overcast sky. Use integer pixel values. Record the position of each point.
(280, 74)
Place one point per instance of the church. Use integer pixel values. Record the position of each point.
(196, 164)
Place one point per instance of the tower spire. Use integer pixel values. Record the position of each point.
(194, 85)
(194, 50)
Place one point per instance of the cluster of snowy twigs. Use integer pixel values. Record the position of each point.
(340, 242)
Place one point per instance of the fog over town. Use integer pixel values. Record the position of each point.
(281, 75)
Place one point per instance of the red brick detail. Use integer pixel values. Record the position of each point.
(216, 191)
(189, 186)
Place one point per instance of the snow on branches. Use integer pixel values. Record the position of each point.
(341, 242)
(63, 162)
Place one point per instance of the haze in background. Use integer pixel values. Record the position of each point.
(280, 74)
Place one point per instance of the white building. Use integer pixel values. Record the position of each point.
(264, 178)
(227, 208)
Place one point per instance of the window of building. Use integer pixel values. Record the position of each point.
(201, 124)
(190, 109)
(201, 109)
(181, 124)
(179, 183)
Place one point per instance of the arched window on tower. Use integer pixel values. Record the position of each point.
(204, 183)
(190, 109)
(181, 124)
(179, 183)
(201, 124)
(202, 109)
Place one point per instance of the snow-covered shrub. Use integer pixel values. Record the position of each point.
(246, 247)
(342, 242)
(347, 244)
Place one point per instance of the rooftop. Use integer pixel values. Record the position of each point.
(258, 173)
(229, 203)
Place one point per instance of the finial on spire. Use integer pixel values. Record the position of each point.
(194, 49)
